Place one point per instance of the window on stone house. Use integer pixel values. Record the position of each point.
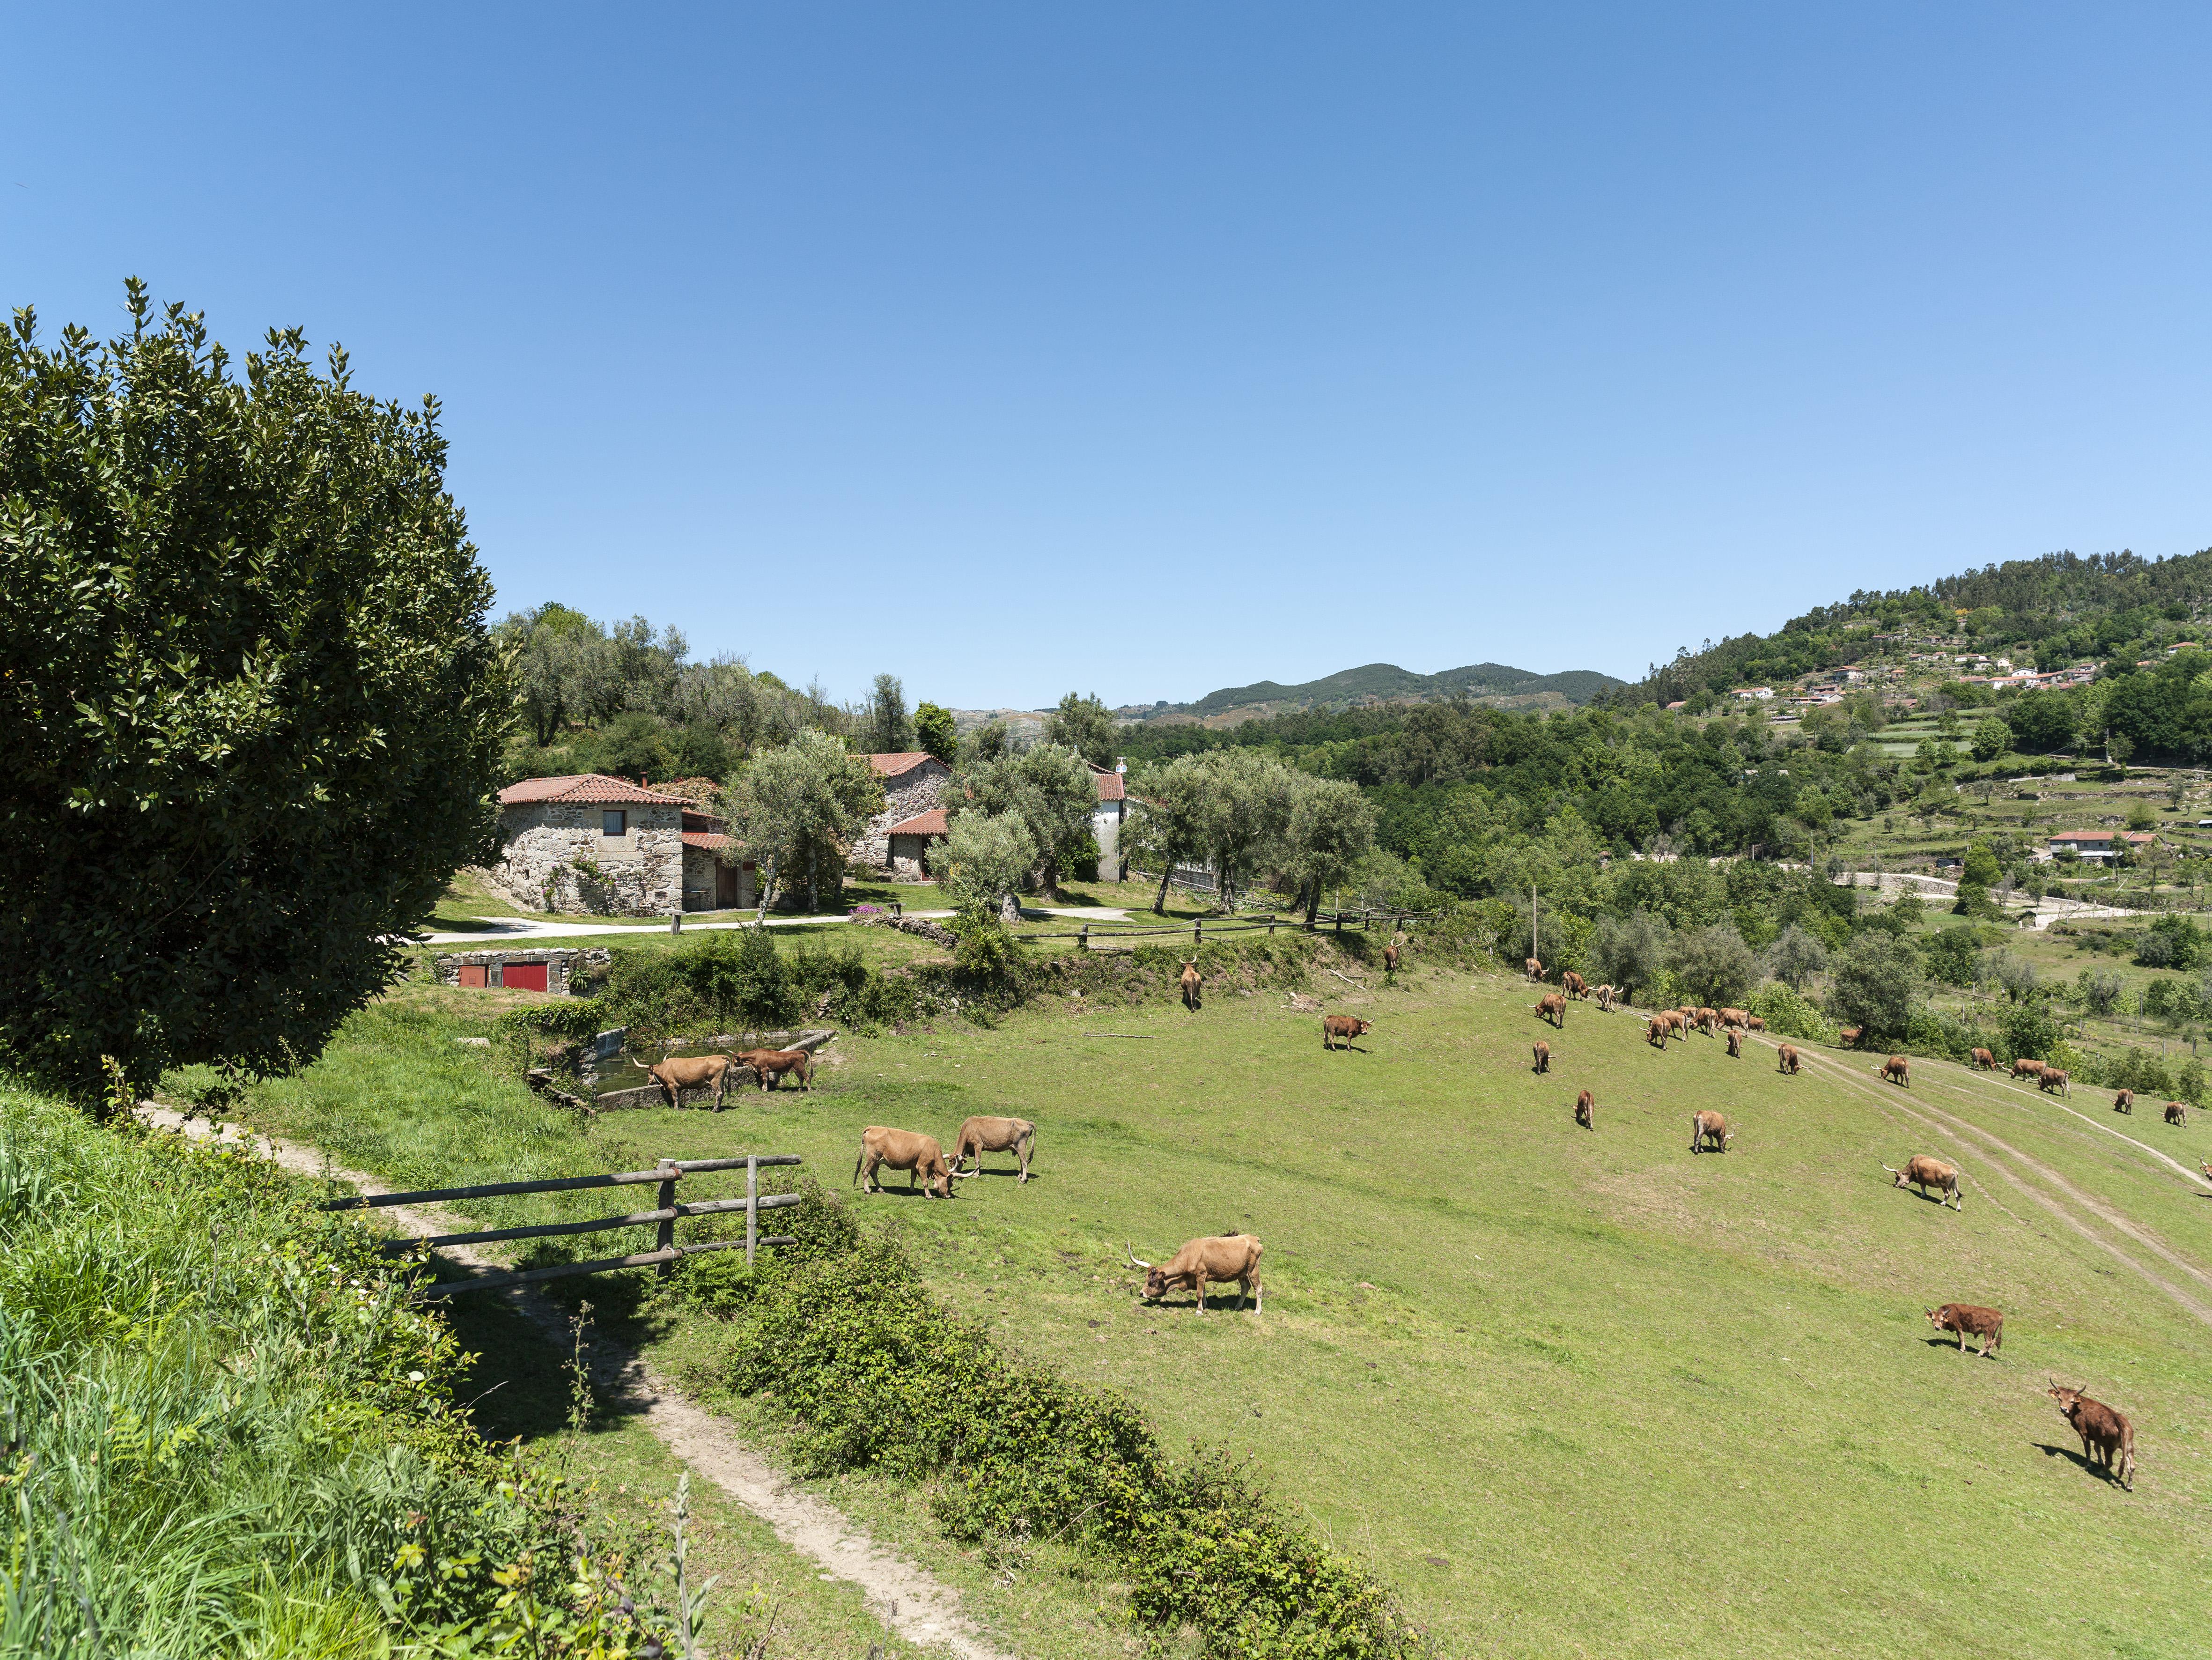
(613, 823)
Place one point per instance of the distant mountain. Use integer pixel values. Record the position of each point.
(1386, 682)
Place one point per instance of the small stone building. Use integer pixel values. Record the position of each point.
(556, 969)
(910, 840)
(1106, 821)
(913, 783)
(607, 846)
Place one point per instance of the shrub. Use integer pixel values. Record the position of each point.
(1788, 1014)
(1873, 982)
(2029, 1030)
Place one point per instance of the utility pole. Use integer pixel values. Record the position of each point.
(1532, 952)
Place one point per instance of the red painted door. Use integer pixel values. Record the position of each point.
(473, 974)
(526, 977)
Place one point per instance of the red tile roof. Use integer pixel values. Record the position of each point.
(1110, 788)
(587, 787)
(893, 766)
(712, 840)
(922, 824)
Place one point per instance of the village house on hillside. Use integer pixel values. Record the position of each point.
(607, 846)
(907, 842)
(2100, 844)
(913, 784)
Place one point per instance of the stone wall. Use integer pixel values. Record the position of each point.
(910, 794)
(562, 968)
(557, 858)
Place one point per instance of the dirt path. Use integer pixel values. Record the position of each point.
(911, 1602)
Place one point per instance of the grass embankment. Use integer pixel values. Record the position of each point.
(1565, 1389)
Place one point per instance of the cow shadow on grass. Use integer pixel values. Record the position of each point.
(2073, 1455)
(1947, 1341)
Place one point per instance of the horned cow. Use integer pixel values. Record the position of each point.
(1709, 1127)
(1533, 969)
(1606, 994)
(1752, 1023)
(1897, 1070)
(1850, 1035)
(1389, 959)
(1216, 1261)
(770, 1065)
(1190, 980)
(1967, 1320)
(1346, 1026)
(692, 1071)
(1575, 985)
(2105, 1434)
(1924, 1173)
(2052, 1079)
(2027, 1067)
(1985, 1061)
(1655, 1032)
(981, 1136)
(907, 1150)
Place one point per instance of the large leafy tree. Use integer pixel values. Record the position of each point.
(1331, 828)
(1047, 787)
(251, 711)
(799, 808)
(1085, 725)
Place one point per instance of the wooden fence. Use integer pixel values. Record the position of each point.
(1107, 936)
(666, 1175)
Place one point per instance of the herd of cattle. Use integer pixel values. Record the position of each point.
(2107, 1438)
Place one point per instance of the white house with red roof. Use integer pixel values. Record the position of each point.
(592, 844)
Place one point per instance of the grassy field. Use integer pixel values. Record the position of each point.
(1569, 1392)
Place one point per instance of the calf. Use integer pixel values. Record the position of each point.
(2176, 1112)
(2124, 1101)
(1985, 1061)
(1785, 1059)
(1752, 1023)
(1533, 969)
(1924, 1173)
(1606, 994)
(2052, 1079)
(1586, 1110)
(691, 1072)
(1190, 980)
(1346, 1026)
(770, 1065)
(1218, 1261)
(981, 1136)
(907, 1150)
(2025, 1067)
(1575, 985)
(1655, 1032)
(1543, 1057)
(1389, 959)
(1735, 1042)
(1706, 1127)
(1968, 1321)
(1850, 1035)
(1552, 1007)
(2105, 1434)
(1897, 1070)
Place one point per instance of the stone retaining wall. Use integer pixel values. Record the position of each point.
(563, 967)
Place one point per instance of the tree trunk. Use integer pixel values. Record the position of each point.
(1167, 874)
(1312, 902)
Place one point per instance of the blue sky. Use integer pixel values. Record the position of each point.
(1149, 349)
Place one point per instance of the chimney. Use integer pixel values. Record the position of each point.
(1121, 764)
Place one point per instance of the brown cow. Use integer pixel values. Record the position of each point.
(1968, 1321)
(1785, 1059)
(1606, 994)
(1985, 1061)
(1543, 1057)
(770, 1065)
(1574, 984)
(1346, 1026)
(981, 1136)
(2124, 1101)
(1533, 969)
(906, 1150)
(1924, 1173)
(1708, 1021)
(1678, 1024)
(1655, 1032)
(2052, 1078)
(1389, 959)
(1735, 1042)
(1734, 1016)
(1552, 1007)
(693, 1072)
(1190, 980)
(1896, 1070)
(1709, 1127)
(1586, 1110)
(2176, 1112)
(1752, 1023)
(2026, 1067)
(1219, 1260)
(2105, 1434)
(1850, 1035)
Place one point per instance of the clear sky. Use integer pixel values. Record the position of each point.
(1147, 348)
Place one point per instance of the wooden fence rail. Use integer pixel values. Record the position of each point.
(666, 1215)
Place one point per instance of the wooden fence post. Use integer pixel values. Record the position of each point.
(753, 1207)
(1084, 939)
(666, 1237)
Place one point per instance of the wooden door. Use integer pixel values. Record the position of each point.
(726, 887)
(526, 977)
(472, 974)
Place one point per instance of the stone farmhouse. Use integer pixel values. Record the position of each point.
(907, 842)
(609, 847)
(914, 788)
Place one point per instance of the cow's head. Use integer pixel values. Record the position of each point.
(1935, 1318)
(1156, 1279)
(2069, 1401)
(1365, 1027)
(1902, 1179)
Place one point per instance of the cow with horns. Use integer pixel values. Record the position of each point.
(1218, 1261)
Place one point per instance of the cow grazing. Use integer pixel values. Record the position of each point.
(1389, 959)
(1709, 1127)
(1734, 1016)
(1785, 1059)
(1752, 1023)
(1655, 1031)
(1678, 1024)
(2105, 1434)
(1346, 1026)
(1606, 994)
(1552, 1007)
(2025, 1067)
(694, 1072)
(1533, 969)
(1966, 1320)
(1897, 1070)
(2052, 1079)
(770, 1065)
(1735, 1043)
(1574, 984)
(1985, 1061)
(907, 1150)
(1709, 1021)
(1543, 1057)
(981, 1135)
(2176, 1112)
(1190, 980)
(1586, 1110)
(1923, 1172)
(1216, 1261)
(2124, 1101)
(1850, 1035)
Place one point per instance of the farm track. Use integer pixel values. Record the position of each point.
(911, 1602)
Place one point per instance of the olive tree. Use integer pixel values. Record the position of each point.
(1629, 952)
(1046, 786)
(1085, 725)
(983, 860)
(252, 709)
(1168, 819)
(1873, 984)
(1331, 828)
(1795, 957)
(799, 808)
(1713, 964)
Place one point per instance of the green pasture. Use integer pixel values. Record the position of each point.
(1571, 1392)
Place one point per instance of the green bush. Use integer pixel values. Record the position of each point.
(1789, 1014)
